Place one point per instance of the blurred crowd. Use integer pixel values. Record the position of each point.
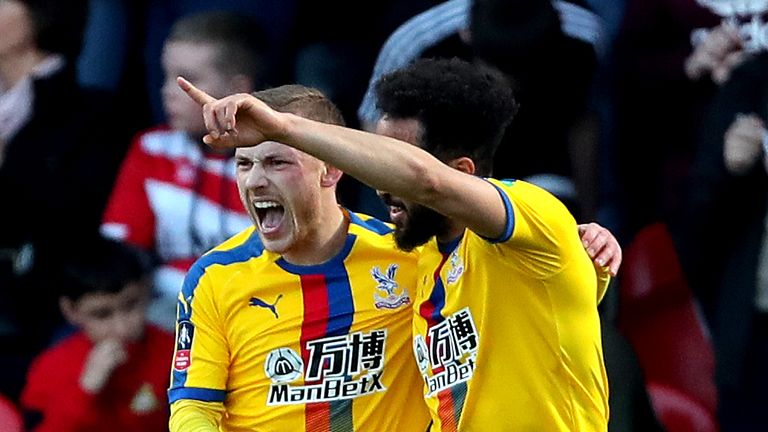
(637, 114)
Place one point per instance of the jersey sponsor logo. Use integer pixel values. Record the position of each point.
(448, 355)
(421, 353)
(328, 390)
(283, 365)
(257, 302)
(337, 368)
(185, 333)
(456, 269)
(389, 295)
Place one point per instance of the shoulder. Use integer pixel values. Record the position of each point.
(247, 236)
(376, 237)
(240, 248)
(359, 222)
(532, 210)
(524, 191)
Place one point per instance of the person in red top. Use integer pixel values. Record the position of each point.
(112, 374)
(174, 196)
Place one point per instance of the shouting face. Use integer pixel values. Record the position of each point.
(282, 189)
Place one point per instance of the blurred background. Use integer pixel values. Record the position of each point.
(647, 116)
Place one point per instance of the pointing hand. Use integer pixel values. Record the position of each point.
(239, 120)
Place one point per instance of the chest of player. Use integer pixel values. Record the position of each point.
(314, 324)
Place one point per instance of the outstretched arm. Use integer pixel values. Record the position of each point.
(381, 162)
(384, 163)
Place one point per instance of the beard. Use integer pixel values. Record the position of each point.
(420, 226)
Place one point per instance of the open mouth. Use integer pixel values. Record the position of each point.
(396, 207)
(395, 211)
(269, 215)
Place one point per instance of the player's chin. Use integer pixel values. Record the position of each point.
(407, 239)
(278, 245)
(400, 222)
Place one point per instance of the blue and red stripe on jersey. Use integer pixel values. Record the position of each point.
(328, 311)
(451, 400)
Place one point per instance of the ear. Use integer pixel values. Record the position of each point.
(463, 164)
(330, 175)
(241, 84)
(68, 310)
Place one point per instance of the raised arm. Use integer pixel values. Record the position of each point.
(383, 163)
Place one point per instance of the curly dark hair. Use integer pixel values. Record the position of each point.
(463, 108)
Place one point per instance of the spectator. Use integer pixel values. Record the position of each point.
(655, 140)
(728, 187)
(533, 43)
(328, 45)
(59, 151)
(275, 18)
(113, 372)
(174, 196)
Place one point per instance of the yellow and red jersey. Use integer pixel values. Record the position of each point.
(287, 347)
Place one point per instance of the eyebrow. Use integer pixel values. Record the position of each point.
(268, 156)
(244, 157)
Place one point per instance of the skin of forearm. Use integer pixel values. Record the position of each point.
(381, 162)
(403, 170)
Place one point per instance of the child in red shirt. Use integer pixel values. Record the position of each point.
(112, 374)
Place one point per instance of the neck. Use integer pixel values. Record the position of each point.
(453, 232)
(323, 243)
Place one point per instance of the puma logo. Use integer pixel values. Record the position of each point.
(255, 301)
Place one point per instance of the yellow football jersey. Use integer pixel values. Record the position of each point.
(291, 348)
(506, 331)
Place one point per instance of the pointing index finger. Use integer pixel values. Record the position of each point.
(195, 93)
